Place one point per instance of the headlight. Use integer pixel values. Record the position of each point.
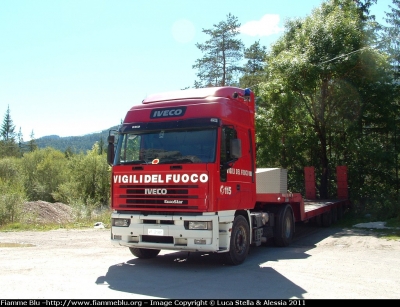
(195, 225)
(121, 222)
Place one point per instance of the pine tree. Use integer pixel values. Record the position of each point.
(8, 145)
(254, 67)
(223, 52)
(20, 138)
(7, 128)
(32, 143)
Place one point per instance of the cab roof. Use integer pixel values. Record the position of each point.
(199, 93)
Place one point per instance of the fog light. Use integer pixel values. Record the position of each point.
(121, 222)
(197, 225)
(199, 241)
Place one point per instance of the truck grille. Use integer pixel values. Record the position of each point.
(160, 197)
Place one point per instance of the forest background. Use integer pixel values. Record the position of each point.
(327, 95)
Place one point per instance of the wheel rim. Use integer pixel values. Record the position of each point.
(240, 240)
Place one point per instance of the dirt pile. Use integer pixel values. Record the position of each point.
(47, 213)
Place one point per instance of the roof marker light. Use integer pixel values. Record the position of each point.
(246, 95)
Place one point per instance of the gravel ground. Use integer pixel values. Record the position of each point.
(322, 263)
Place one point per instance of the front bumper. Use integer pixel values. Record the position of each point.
(169, 232)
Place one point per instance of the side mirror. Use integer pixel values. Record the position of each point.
(236, 148)
(110, 149)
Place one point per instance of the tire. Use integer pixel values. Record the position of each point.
(144, 253)
(284, 227)
(240, 241)
(327, 219)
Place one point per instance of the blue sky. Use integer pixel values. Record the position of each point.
(73, 67)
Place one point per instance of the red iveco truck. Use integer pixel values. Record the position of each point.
(184, 178)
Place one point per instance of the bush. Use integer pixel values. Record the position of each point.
(12, 195)
(12, 198)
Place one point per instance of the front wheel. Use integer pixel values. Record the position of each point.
(240, 241)
(144, 253)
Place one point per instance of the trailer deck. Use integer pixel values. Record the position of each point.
(309, 207)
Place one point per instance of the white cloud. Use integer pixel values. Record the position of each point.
(266, 26)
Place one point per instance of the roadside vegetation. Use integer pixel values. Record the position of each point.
(81, 181)
(392, 232)
(327, 95)
(84, 222)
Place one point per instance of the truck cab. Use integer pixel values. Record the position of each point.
(183, 166)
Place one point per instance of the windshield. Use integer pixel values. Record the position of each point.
(167, 147)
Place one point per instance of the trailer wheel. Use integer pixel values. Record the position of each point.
(327, 218)
(240, 241)
(144, 253)
(284, 227)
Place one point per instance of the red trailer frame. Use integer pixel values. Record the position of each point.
(310, 207)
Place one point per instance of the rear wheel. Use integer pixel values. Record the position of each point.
(240, 241)
(144, 253)
(284, 227)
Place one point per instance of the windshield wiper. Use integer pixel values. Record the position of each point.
(134, 162)
(175, 161)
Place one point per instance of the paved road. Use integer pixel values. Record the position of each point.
(330, 263)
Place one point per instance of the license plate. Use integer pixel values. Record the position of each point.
(155, 232)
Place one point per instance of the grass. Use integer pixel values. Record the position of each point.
(350, 219)
(80, 223)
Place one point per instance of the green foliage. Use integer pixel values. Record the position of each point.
(72, 144)
(103, 216)
(80, 180)
(323, 86)
(253, 71)
(12, 195)
(44, 170)
(390, 37)
(222, 52)
(31, 145)
(9, 148)
(88, 186)
(7, 130)
(11, 143)
(8, 144)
